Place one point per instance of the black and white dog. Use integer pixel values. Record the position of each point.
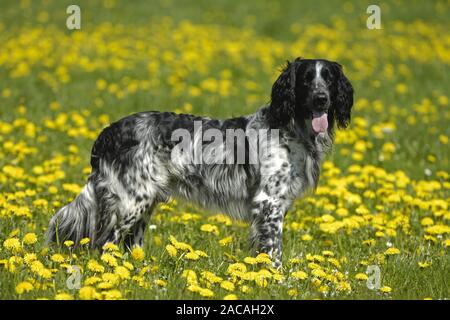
(134, 165)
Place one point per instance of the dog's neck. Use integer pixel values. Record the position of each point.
(316, 144)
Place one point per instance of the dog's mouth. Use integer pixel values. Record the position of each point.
(319, 122)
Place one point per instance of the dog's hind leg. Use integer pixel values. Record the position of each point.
(136, 230)
(114, 206)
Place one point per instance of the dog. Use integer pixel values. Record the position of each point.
(135, 166)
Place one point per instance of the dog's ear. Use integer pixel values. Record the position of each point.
(282, 106)
(343, 101)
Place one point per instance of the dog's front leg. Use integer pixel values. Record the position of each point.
(267, 227)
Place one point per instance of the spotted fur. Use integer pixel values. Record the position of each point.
(132, 168)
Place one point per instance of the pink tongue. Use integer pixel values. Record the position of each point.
(320, 123)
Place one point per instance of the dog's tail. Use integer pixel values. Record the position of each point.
(76, 220)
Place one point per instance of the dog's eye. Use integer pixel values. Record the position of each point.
(309, 76)
(326, 74)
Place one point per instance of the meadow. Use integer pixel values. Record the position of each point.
(383, 199)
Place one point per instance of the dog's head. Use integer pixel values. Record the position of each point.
(315, 91)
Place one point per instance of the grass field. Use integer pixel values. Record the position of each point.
(384, 194)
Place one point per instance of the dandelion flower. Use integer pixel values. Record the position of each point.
(245, 289)
(392, 251)
(63, 296)
(29, 258)
(68, 243)
(109, 259)
(250, 260)
(112, 295)
(300, 275)
(230, 297)
(211, 277)
(30, 238)
(427, 221)
(344, 286)
(122, 272)
(94, 266)
(319, 273)
(128, 265)
(192, 256)
(84, 241)
(88, 293)
(361, 276)
(160, 282)
(385, 289)
(236, 267)
(110, 247)
(138, 254)
(57, 258)
(191, 276)
(24, 287)
(225, 241)
(209, 228)
(369, 242)
(227, 285)
(92, 280)
(263, 258)
(328, 253)
(292, 292)
(201, 253)
(424, 265)
(171, 250)
(12, 244)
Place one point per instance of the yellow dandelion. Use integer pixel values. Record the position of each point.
(68, 243)
(30, 238)
(319, 273)
(192, 256)
(94, 266)
(92, 280)
(250, 260)
(426, 222)
(110, 247)
(361, 276)
(112, 295)
(88, 293)
(424, 265)
(209, 228)
(392, 251)
(24, 287)
(12, 244)
(63, 296)
(385, 289)
(122, 272)
(263, 258)
(160, 282)
(57, 258)
(225, 241)
(109, 259)
(84, 241)
(292, 292)
(138, 254)
(446, 243)
(227, 285)
(171, 250)
(300, 275)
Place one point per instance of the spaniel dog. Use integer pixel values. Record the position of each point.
(137, 163)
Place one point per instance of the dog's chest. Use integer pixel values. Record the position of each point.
(302, 170)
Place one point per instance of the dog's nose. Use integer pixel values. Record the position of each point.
(320, 98)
